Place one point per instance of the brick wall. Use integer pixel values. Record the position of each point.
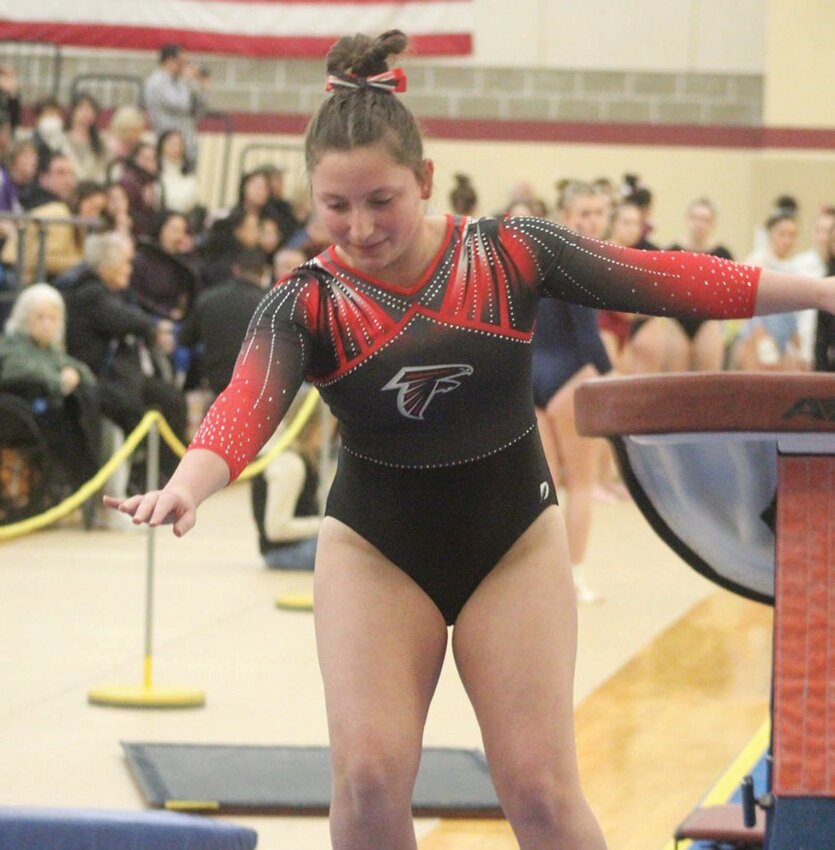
(435, 90)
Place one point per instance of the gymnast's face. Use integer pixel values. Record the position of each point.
(372, 208)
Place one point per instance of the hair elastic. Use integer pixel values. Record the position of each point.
(389, 81)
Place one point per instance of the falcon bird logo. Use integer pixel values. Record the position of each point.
(418, 385)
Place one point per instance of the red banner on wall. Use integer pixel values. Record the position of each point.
(278, 28)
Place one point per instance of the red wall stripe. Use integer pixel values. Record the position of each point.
(652, 135)
(151, 38)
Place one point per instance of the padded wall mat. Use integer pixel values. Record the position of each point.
(295, 780)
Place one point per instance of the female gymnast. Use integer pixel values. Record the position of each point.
(416, 329)
(567, 350)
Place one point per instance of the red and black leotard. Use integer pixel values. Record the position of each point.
(439, 375)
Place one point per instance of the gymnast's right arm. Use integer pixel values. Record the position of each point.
(268, 373)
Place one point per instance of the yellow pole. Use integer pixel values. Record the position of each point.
(146, 695)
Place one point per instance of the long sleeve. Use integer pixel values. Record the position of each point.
(268, 373)
(599, 274)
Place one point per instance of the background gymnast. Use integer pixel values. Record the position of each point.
(416, 329)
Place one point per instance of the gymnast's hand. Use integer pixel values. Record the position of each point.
(158, 507)
(199, 474)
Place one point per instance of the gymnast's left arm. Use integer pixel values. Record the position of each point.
(783, 293)
(576, 268)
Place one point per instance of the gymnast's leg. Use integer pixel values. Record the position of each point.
(381, 645)
(708, 349)
(515, 645)
(579, 455)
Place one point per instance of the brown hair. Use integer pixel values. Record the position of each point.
(353, 117)
(463, 197)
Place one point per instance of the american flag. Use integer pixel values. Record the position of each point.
(277, 28)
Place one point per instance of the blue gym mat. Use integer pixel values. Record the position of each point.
(295, 780)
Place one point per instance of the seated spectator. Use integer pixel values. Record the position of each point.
(117, 209)
(48, 135)
(179, 182)
(285, 502)
(53, 199)
(118, 341)
(781, 237)
(813, 263)
(627, 227)
(825, 331)
(164, 280)
(254, 192)
(10, 95)
(697, 345)
(9, 198)
(226, 236)
(22, 166)
(140, 180)
(278, 208)
(782, 204)
(768, 344)
(699, 224)
(124, 132)
(638, 195)
(772, 343)
(218, 321)
(83, 145)
(463, 199)
(645, 347)
(269, 238)
(6, 135)
(35, 366)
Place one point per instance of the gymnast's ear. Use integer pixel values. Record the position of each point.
(426, 178)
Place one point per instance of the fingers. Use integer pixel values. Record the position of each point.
(185, 523)
(126, 506)
(156, 508)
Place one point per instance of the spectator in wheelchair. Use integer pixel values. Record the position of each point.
(61, 390)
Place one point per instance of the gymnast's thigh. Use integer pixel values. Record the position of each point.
(381, 644)
(515, 645)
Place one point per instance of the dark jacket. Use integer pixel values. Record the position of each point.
(102, 329)
(143, 193)
(217, 324)
(162, 284)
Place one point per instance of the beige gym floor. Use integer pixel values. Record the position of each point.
(672, 681)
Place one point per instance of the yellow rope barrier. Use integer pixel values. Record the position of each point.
(91, 487)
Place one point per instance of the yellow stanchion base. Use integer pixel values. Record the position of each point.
(295, 601)
(140, 696)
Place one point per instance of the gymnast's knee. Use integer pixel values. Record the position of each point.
(533, 795)
(373, 776)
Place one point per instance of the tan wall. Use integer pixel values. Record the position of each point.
(800, 63)
(676, 175)
(650, 35)
(742, 183)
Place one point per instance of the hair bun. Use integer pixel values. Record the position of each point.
(364, 56)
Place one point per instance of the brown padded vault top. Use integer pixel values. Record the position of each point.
(709, 402)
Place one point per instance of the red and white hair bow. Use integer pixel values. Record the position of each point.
(390, 81)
